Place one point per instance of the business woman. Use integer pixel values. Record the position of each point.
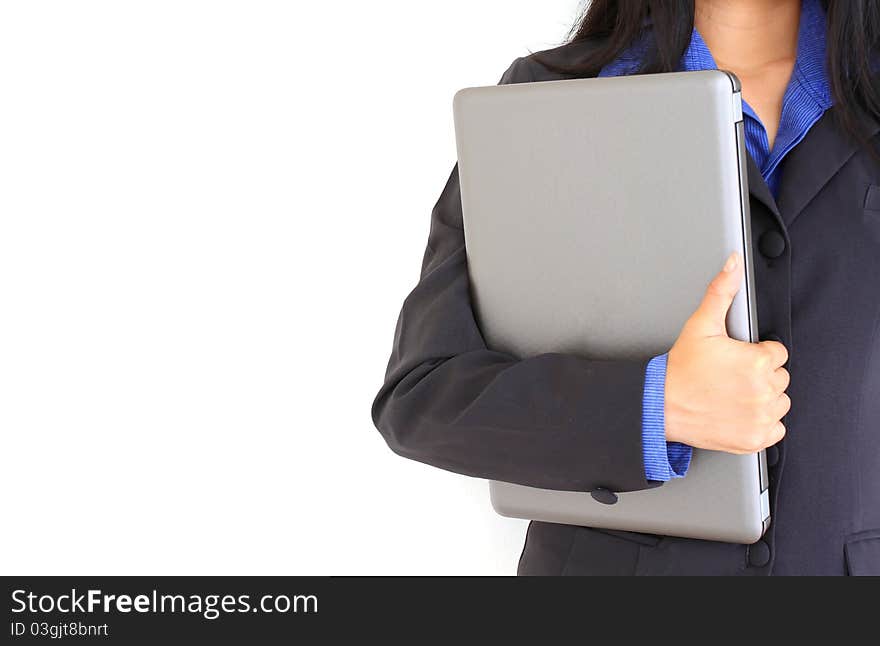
(809, 392)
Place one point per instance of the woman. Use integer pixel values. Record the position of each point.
(566, 422)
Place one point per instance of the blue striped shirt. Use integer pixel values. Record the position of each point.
(806, 99)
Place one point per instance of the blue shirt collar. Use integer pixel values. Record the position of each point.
(806, 98)
(809, 76)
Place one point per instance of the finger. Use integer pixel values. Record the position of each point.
(780, 380)
(777, 433)
(710, 317)
(776, 353)
(781, 406)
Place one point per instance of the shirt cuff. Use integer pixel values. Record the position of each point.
(663, 460)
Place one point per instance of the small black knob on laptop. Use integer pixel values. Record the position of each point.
(604, 496)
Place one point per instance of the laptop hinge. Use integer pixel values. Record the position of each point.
(762, 470)
(737, 107)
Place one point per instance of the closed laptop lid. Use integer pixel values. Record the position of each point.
(596, 211)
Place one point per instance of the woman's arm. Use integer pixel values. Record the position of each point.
(553, 421)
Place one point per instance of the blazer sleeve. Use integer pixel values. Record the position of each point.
(553, 421)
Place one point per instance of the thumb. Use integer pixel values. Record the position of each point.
(710, 317)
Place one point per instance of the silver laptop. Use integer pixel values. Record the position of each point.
(596, 211)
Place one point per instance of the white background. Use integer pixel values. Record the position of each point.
(210, 213)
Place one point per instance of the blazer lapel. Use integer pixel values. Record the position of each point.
(815, 161)
(759, 190)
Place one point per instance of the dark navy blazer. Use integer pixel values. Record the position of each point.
(566, 422)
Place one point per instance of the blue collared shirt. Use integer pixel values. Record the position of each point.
(806, 99)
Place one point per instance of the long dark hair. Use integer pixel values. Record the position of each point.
(853, 38)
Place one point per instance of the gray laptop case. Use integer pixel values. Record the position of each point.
(596, 211)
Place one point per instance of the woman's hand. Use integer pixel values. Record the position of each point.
(723, 394)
